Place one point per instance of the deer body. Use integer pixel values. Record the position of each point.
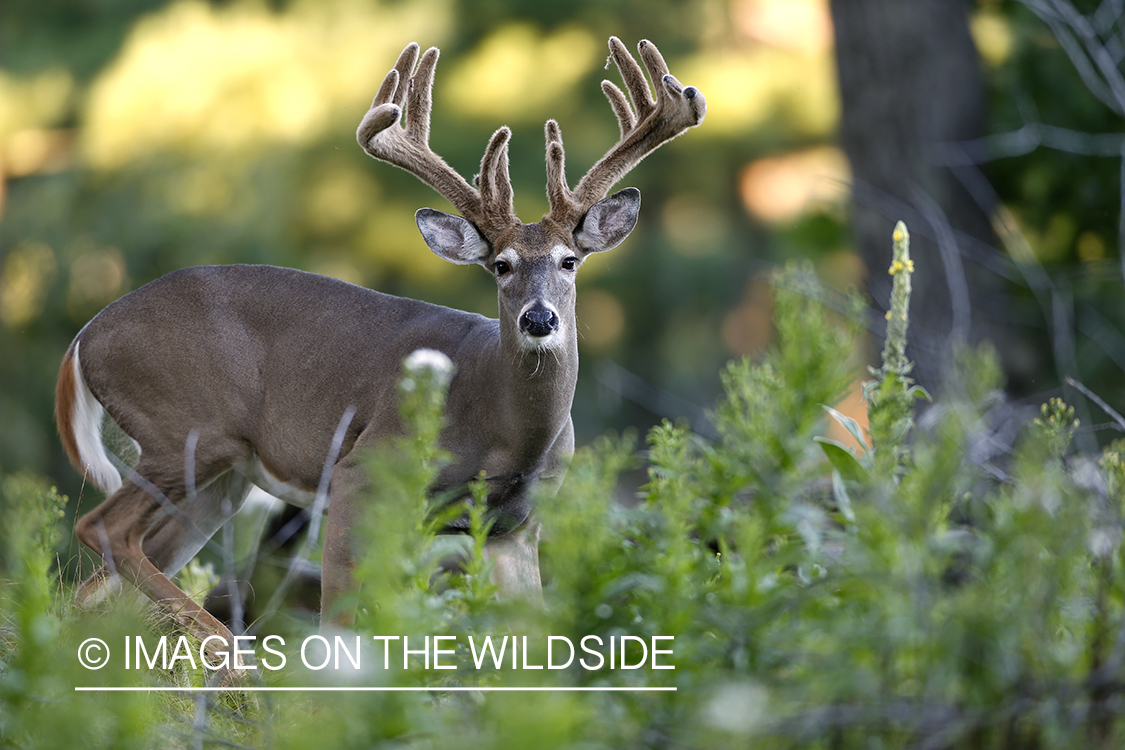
(227, 376)
(307, 351)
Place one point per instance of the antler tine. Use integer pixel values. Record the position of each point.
(407, 147)
(651, 122)
(620, 105)
(559, 196)
(403, 67)
(633, 76)
(419, 95)
(495, 182)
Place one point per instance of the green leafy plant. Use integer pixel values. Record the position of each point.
(920, 591)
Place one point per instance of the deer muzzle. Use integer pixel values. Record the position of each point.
(539, 321)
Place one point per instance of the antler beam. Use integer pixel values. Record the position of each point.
(655, 121)
(407, 146)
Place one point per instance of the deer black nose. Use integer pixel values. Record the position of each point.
(539, 321)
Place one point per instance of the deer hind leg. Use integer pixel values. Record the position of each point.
(103, 584)
(515, 561)
(174, 538)
(145, 537)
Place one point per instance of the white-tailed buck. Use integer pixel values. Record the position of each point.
(227, 376)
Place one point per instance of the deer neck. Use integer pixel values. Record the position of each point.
(537, 385)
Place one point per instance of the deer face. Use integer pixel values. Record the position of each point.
(535, 264)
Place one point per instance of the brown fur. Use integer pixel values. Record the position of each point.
(65, 394)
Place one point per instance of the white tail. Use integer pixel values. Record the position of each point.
(253, 366)
(82, 411)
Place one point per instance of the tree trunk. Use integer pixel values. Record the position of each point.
(910, 80)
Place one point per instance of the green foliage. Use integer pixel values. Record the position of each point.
(401, 528)
(1056, 426)
(30, 512)
(813, 598)
(39, 637)
(769, 408)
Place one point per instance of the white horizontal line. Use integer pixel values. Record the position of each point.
(274, 689)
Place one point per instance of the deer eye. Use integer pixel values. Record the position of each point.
(501, 267)
(569, 264)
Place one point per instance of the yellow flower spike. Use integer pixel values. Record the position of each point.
(894, 350)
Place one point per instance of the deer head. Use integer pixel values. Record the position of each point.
(534, 264)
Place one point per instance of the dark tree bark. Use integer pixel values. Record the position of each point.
(910, 80)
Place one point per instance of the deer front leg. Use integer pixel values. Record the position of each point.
(338, 556)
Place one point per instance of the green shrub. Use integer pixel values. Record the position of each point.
(921, 593)
(39, 707)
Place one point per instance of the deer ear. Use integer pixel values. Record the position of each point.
(451, 237)
(609, 221)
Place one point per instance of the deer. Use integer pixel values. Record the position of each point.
(224, 377)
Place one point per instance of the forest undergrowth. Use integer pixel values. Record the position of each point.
(931, 590)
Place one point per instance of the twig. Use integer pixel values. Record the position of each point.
(1061, 18)
(951, 261)
(1095, 49)
(1101, 404)
(199, 725)
(1121, 215)
(237, 610)
(615, 379)
(1024, 140)
(971, 248)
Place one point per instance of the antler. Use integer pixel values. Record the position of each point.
(407, 147)
(656, 121)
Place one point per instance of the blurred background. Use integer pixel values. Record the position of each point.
(138, 137)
